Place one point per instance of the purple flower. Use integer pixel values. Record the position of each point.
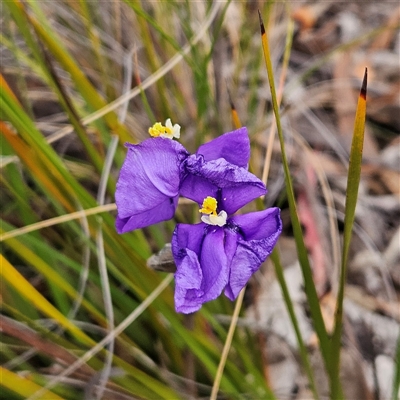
(220, 253)
(158, 170)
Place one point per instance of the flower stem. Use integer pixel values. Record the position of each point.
(227, 345)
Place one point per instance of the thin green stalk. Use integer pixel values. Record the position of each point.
(72, 114)
(227, 345)
(289, 305)
(353, 181)
(310, 289)
(282, 78)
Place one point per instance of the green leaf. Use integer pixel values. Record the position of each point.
(23, 386)
(309, 288)
(353, 181)
(15, 279)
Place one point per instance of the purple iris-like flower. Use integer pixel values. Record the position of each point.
(221, 253)
(158, 170)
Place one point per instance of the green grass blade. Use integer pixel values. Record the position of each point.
(23, 386)
(310, 290)
(353, 181)
(30, 140)
(73, 115)
(14, 278)
(289, 305)
(50, 273)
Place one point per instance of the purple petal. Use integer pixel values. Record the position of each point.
(235, 197)
(161, 212)
(188, 300)
(216, 255)
(186, 246)
(233, 146)
(202, 255)
(260, 232)
(187, 236)
(260, 224)
(197, 188)
(148, 184)
(244, 264)
(236, 185)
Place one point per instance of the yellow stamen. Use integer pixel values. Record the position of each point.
(159, 129)
(209, 206)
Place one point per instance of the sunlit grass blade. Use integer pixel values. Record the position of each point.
(15, 279)
(353, 181)
(24, 387)
(57, 220)
(282, 78)
(37, 260)
(36, 167)
(310, 289)
(235, 116)
(31, 143)
(6, 88)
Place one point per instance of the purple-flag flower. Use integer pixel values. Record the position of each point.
(158, 170)
(221, 253)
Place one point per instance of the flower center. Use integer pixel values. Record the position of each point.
(166, 131)
(209, 208)
(159, 129)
